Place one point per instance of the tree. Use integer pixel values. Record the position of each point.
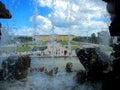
(94, 39)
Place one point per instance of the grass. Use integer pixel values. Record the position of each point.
(27, 46)
(23, 49)
(106, 48)
(66, 43)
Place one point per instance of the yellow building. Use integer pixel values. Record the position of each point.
(56, 37)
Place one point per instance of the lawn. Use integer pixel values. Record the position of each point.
(27, 46)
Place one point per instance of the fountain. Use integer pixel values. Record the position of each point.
(68, 75)
(91, 59)
(95, 62)
(52, 31)
(4, 13)
(68, 18)
(69, 45)
(12, 66)
(52, 69)
(111, 82)
(52, 44)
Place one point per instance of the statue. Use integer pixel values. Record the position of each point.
(93, 61)
(94, 65)
(4, 13)
(113, 77)
(113, 8)
(0, 31)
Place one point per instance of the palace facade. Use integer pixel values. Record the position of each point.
(54, 37)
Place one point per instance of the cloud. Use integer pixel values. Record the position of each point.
(40, 20)
(30, 31)
(79, 14)
(42, 25)
(73, 16)
(44, 3)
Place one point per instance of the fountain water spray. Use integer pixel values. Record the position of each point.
(52, 44)
(4, 13)
(0, 44)
(68, 18)
(35, 33)
(35, 17)
(4, 40)
(0, 31)
(69, 45)
(104, 38)
(52, 29)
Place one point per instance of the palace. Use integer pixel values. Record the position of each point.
(56, 37)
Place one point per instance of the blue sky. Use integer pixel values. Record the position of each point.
(78, 17)
(21, 11)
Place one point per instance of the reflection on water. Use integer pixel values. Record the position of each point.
(60, 62)
(40, 81)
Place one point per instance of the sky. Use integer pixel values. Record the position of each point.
(39, 17)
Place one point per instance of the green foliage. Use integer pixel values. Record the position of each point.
(23, 48)
(82, 39)
(64, 43)
(44, 43)
(90, 39)
(23, 39)
(66, 46)
(94, 39)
